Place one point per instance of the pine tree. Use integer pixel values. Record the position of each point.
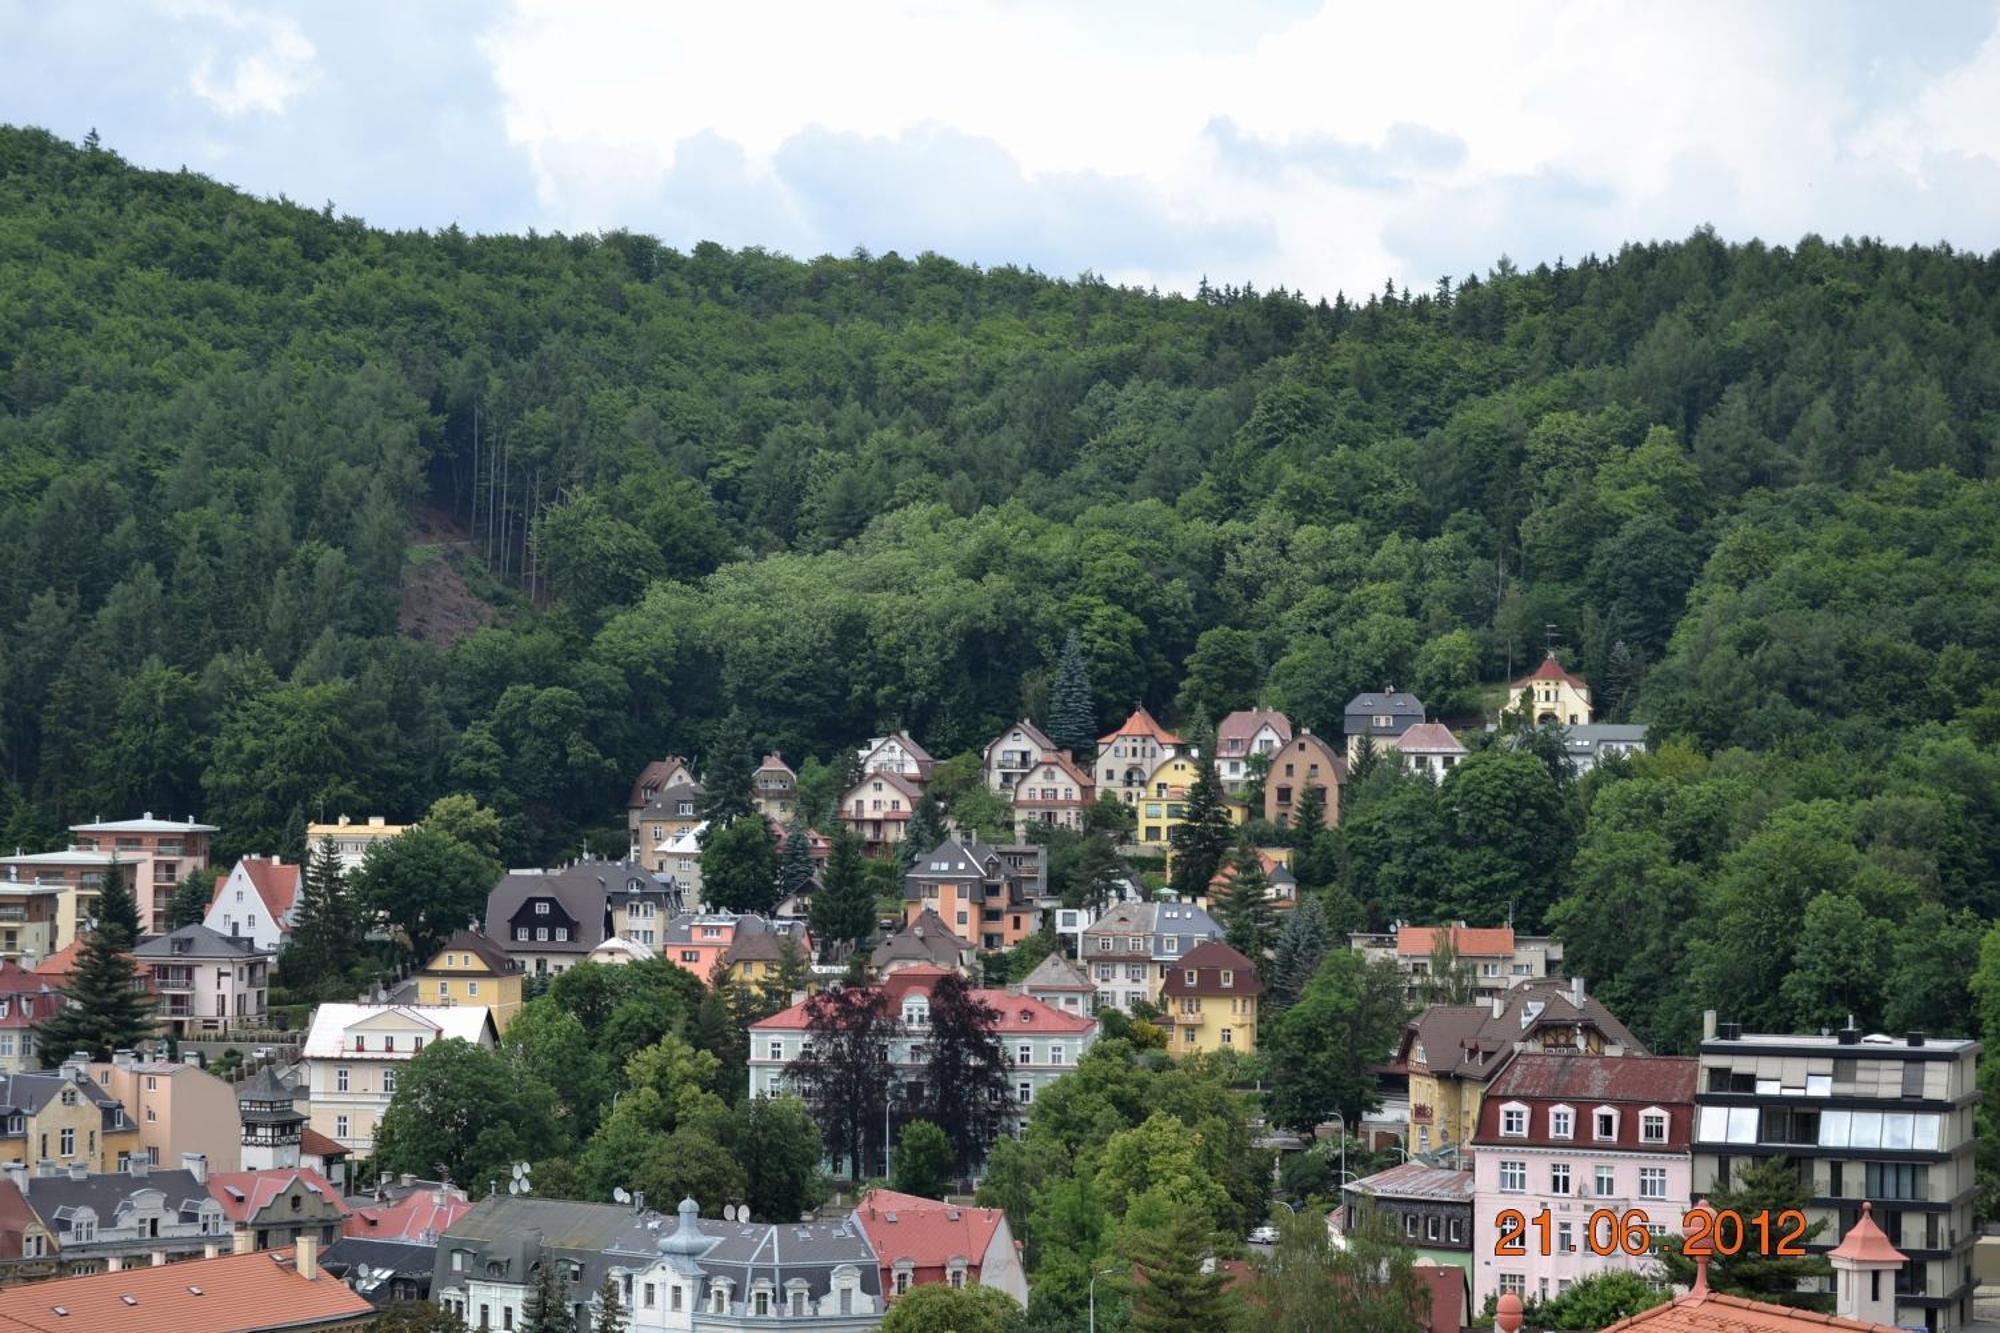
(1621, 678)
(1249, 922)
(796, 870)
(1308, 816)
(1072, 706)
(191, 899)
(611, 1313)
(327, 932)
(843, 911)
(923, 833)
(1302, 944)
(547, 1308)
(1202, 838)
(108, 1010)
(1171, 1293)
(728, 774)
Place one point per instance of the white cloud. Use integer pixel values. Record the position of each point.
(266, 77)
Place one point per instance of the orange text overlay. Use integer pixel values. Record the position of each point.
(1707, 1234)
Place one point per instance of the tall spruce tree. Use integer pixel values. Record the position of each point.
(547, 1308)
(1308, 816)
(728, 772)
(107, 1010)
(1172, 1294)
(1202, 838)
(1302, 945)
(796, 868)
(1072, 706)
(611, 1315)
(923, 833)
(1249, 922)
(843, 911)
(327, 932)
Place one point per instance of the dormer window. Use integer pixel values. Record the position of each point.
(1514, 1121)
(1562, 1123)
(541, 908)
(1605, 1124)
(1191, 976)
(718, 1299)
(1228, 978)
(1652, 1125)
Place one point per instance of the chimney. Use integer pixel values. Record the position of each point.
(1914, 1037)
(196, 1165)
(138, 1164)
(1499, 1006)
(79, 1171)
(126, 1059)
(17, 1172)
(1576, 991)
(406, 1180)
(77, 1067)
(306, 1256)
(244, 1241)
(47, 1167)
(1708, 1025)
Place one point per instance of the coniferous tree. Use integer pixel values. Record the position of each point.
(1302, 945)
(611, 1315)
(1072, 706)
(327, 931)
(1202, 838)
(796, 869)
(547, 1308)
(843, 911)
(1769, 1184)
(191, 899)
(924, 831)
(728, 774)
(1098, 877)
(1308, 816)
(107, 1009)
(1249, 922)
(1171, 1293)
(965, 1076)
(843, 1076)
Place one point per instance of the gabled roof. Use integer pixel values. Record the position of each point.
(410, 1217)
(29, 1093)
(1029, 731)
(775, 763)
(1583, 1081)
(62, 962)
(1551, 669)
(224, 1295)
(316, 1144)
(1141, 724)
(1057, 759)
(1418, 1180)
(894, 779)
(1429, 738)
(1467, 941)
(1234, 734)
(276, 883)
(909, 746)
(104, 1191)
(927, 939)
(1395, 703)
(654, 776)
(1056, 973)
(244, 1194)
(197, 942)
(1470, 1041)
(473, 942)
(1208, 962)
(766, 940)
(926, 1233)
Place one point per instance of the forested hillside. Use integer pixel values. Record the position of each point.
(298, 517)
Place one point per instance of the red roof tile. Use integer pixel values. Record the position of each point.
(1581, 1082)
(316, 1144)
(1714, 1313)
(409, 1217)
(233, 1294)
(1141, 723)
(244, 1194)
(1550, 669)
(1234, 734)
(926, 1233)
(1866, 1243)
(1469, 941)
(276, 883)
(1019, 1014)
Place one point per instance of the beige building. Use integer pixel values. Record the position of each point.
(178, 1108)
(355, 1051)
(62, 1117)
(1495, 958)
(1552, 695)
(352, 840)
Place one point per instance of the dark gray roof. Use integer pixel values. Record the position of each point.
(584, 891)
(1585, 738)
(513, 1232)
(197, 941)
(104, 1192)
(29, 1093)
(926, 940)
(743, 1253)
(404, 1258)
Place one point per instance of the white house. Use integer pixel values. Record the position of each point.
(355, 1051)
(258, 901)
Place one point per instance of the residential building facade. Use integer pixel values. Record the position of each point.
(1594, 742)
(352, 841)
(1866, 1119)
(923, 1242)
(163, 852)
(178, 1109)
(1429, 750)
(925, 942)
(990, 896)
(256, 901)
(1494, 958)
(1162, 806)
(661, 803)
(1009, 756)
(207, 982)
(1576, 1133)
(1127, 757)
(1244, 735)
(1430, 1207)
(65, 1118)
(878, 809)
(550, 920)
(1130, 949)
(774, 789)
(27, 1001)
(702, 942)
(898, 753)
(1306, 762)
(1210, 998)
(354, 1053)
(1055, 793)
(1552, 695)
(471, 969)
(1379, 718)
(278, 1206)
(1060, 984)
(103, 1220)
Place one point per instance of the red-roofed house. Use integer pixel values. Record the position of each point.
(279, 1205)
(1552, 694)
(1430, 749)
(235, 1293)
(1054, 793)
(1243, 735)
(1210, 999)
(1127, 757)
(1496, 956)
(324, 1155)
(418, 1218)
(27, 1000)
(1579, 1133)
(1042, 1043)
(257, 902)
(878, 809)
(920, 1241)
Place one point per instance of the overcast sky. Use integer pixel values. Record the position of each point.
(1283, 142)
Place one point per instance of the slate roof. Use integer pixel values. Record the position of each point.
(1419, 1180)
(1398, 704)
(1235, 732)
(477, 944)
(1154, 922)
(1057, 973)
(1468, 1041)
(197, 942)
(926, 940)
(1208, 962)
(224, 1295)
(584, 891)
(29, 1093)
(266, 1089)
(761, 939)
(1581, 1082)
(410, 1259)
(105, 1191)
(1588, 737)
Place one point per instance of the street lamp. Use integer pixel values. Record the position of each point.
(1343, 1142)
(1102, 1272)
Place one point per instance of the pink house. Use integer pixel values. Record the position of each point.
(1575, 1134)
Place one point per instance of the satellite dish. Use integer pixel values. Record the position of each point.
(521, 1170)
(729, 1212)
(513, 1187)
(621, 1195)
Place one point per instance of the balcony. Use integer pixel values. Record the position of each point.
(170, 980)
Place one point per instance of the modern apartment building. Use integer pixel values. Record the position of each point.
(352, 841)
(164, 852)
(1863, 1118)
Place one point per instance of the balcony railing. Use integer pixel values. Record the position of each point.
(173, 981)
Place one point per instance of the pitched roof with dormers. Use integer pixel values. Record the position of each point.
(1234, 734)
(1216, 969)
(244, 1194)
(1016, 1015)
(927, 1235)
(1141, 725)
(1581, 1082)
(418, 1215)
(237, 1293)
(1060, 761)
(1471, 1041)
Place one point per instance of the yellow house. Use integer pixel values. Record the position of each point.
(1552, 695)
(471, 969)
(1163, 804)
(1453, 1051)
(1210, 1001)
(63, 1117)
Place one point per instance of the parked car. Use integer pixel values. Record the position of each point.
(1264, 1235)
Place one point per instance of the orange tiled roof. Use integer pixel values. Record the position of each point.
(1141, 723)
(410, 1217)
(244, 1194)
(316, 1144)
(1550, 669)
(277, 884)
(1865, 1242)
(926, 1233)
(232, 1294)
(1715, 1313)
(1469, 941)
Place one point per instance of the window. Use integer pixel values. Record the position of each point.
(1562, 1123)
(1653, 1127)
(1606, 1184)
(389, 1081)
(1058, 1053)
(340, 1078)
(340, 1127)
(718, 1300)
(1913, 1079)
(1517, 1283)
(1559, 1178)
(68, 1143)
(1024, 1092)
(1565, 1238)
(1457, 1231)
(1409, 1226)
(541, 909)
(1652, 1182)
(1606, 1123)
(541, 933)
(1431, 1227)
(1513, 1177)
(472, 988)
(1514, 1121)
(83, 1227)
(760, 1303)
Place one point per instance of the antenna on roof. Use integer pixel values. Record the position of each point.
(621, 1195)
(1549, 636)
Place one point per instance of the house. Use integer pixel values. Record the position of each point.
(388, 1249)
(162, 853)
(1430, 1207)
(231, 1293)
(65, 1118)
(1210, 999)
(1127, 757)
(277, 1206)
(1494, 957)
(1864, 1116)
(351, 841)
(1130, 949)
(1009, 756)
(878, 809)
(1430, 750)
(762, 947)
(775, 789)
(1041, 1043)
(925, 942)
(550, 920)
(619, 951)
(207, 982)
(1054, 793)
(56, 893)
(325, 1156)
(257, 901)
(471, 969)
(116, 1219)
(1453, 1051)
(702, 942)
(1281, 886)
(1163, 802)
(1379, 719)
(1059, 984)
(989, 895)
(354, 1052)
(678, 1273)
(1576, 1133)
(273, 1127)
(661, 803)
(1592, 743)
(679, 858)
(918, 1242)
(1552, 695)
(179, 1109)
(1242, 737)
(1305, 761)
(31, 913)
(27, 1000)
(898, 753)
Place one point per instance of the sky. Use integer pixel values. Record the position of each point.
(1315, 146)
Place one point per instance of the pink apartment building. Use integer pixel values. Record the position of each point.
(1573, 1134)
(162, 852)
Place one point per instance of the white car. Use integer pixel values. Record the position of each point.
(1264, 1235)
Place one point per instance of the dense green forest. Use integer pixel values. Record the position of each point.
(299, 518)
